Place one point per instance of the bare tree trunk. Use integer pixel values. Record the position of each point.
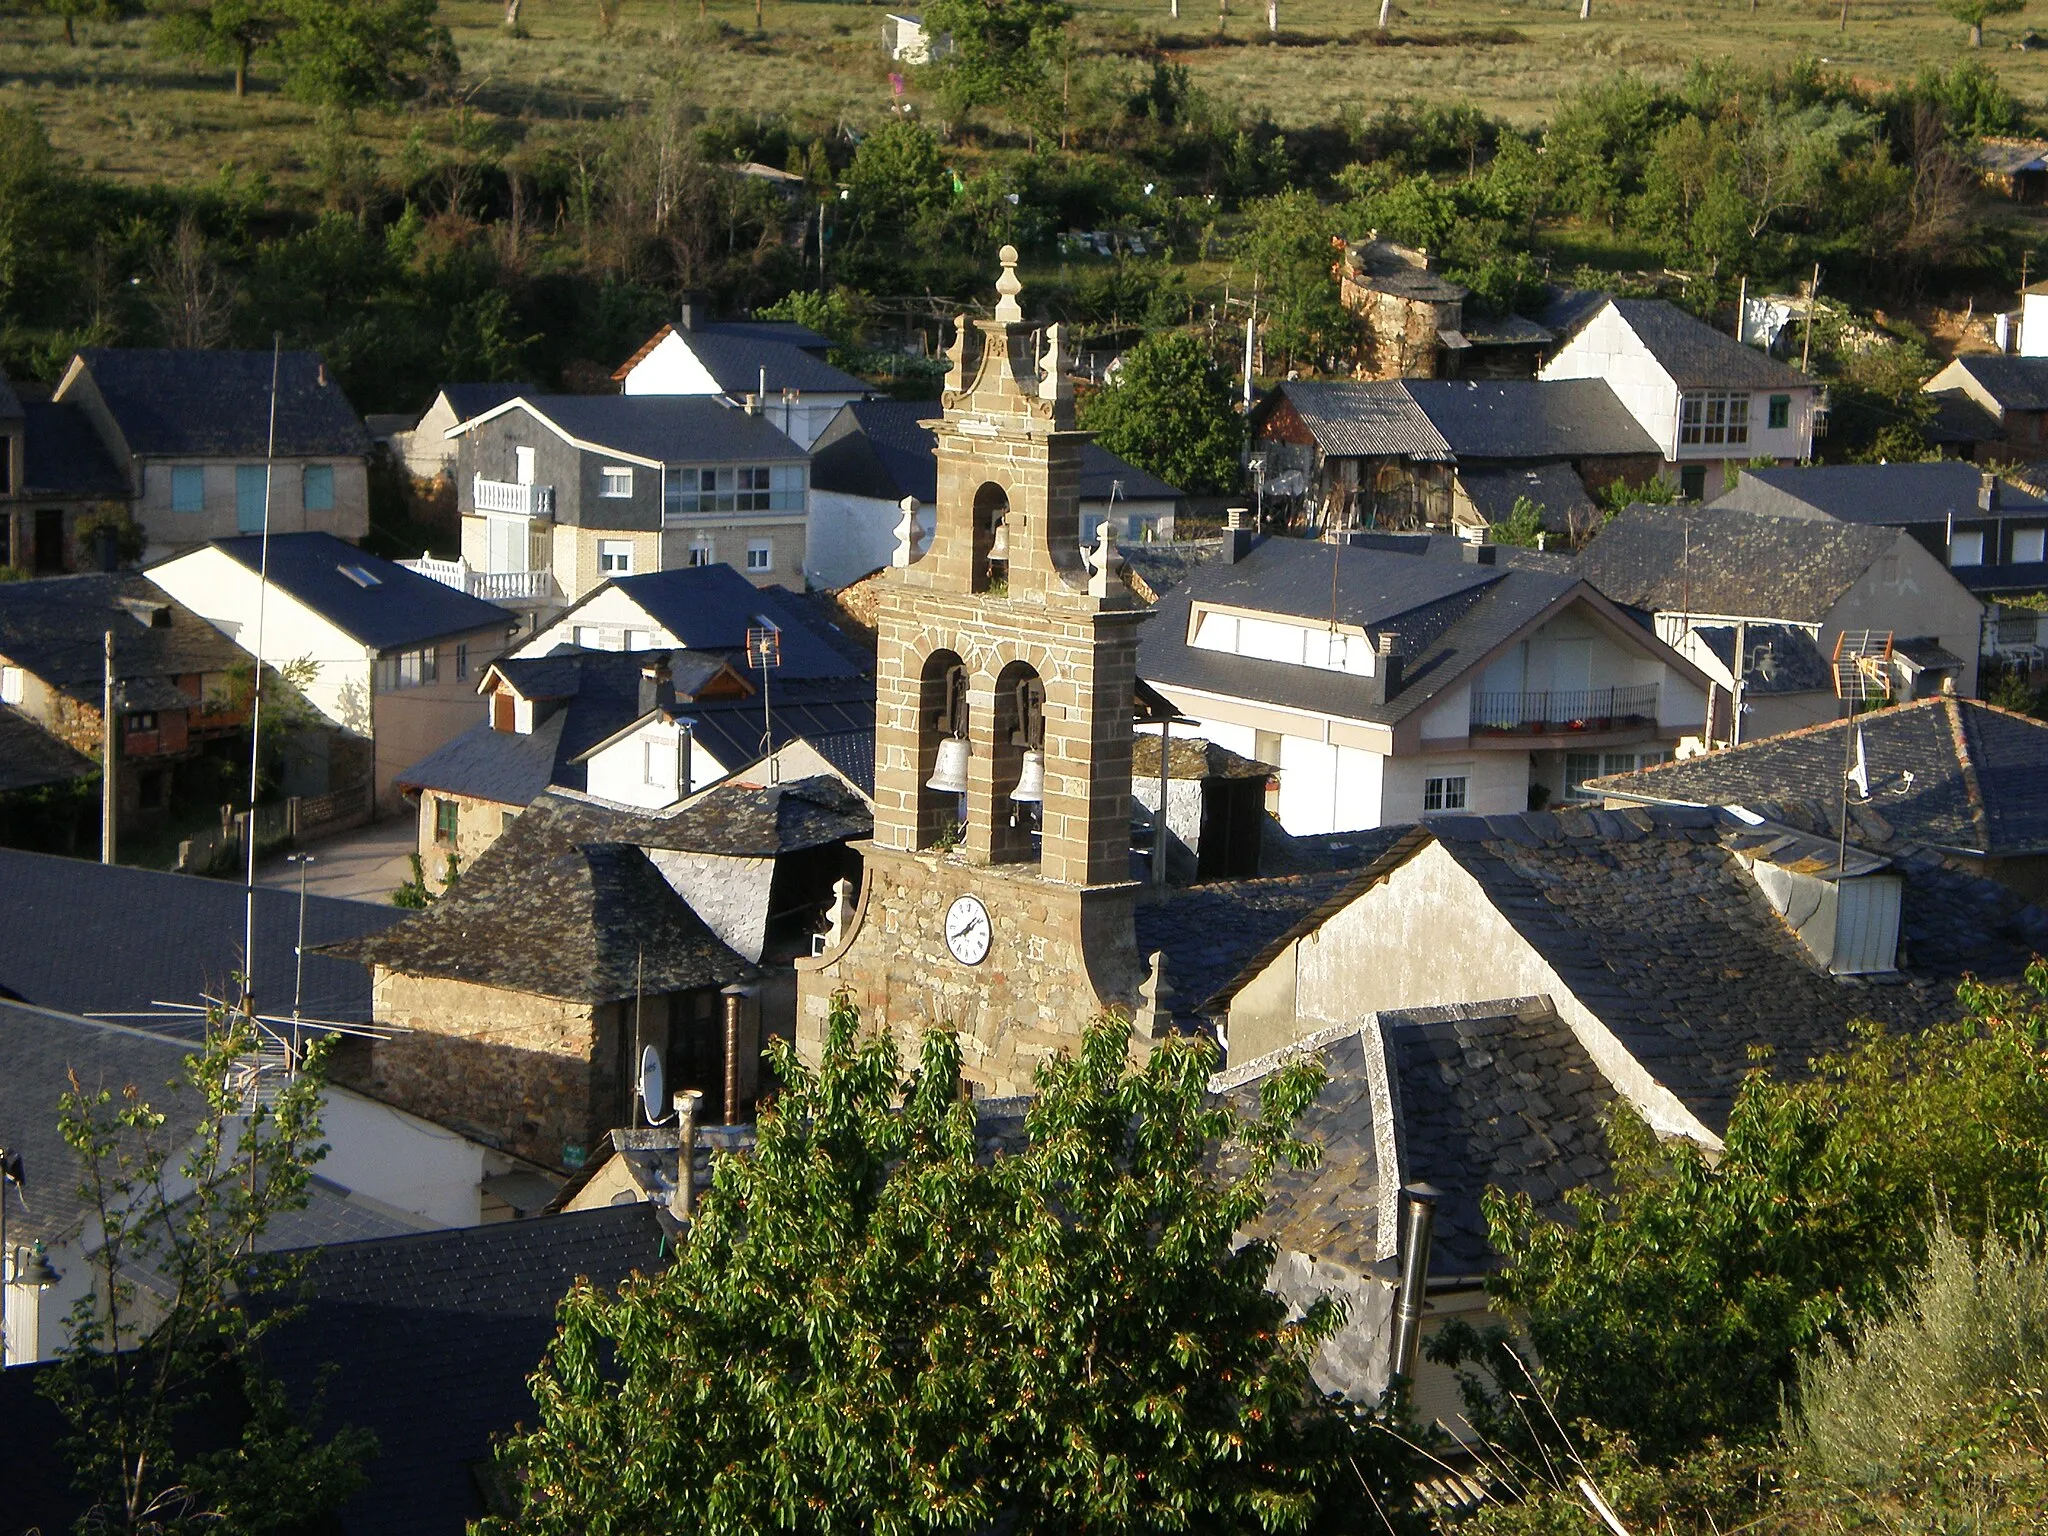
(242, 73)
(1976, 34)
(1273, 16)
(70, 33)
(1585, 10)
(1843, 25)
(1386, 11)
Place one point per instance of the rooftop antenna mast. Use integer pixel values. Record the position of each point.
(764, 650)
(256, 696)
(1863, 671)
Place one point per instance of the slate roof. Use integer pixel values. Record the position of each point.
(711, 608)
(1556, 488)
(1152, 570)
(400, 608)
(1796, 664)
(1979, 777)
(30, 756)
(2016, 383)
(1722, 561)
(759, 821)
(504, 767)
(1885, 495)
(879, 448)
(1193, 757)
(562, 905)
(1447, 616)
(836, 716)
(666, 429)
(177, 936)
(734, 352)
(1565, 310)
(1959, 419)
(1698, 356)
(63, 456)
(1530, 418)
(431, 1338)
(174, 403)
(467, 400)
(55, 628)
(1490, 1095)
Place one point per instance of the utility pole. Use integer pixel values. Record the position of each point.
(110, 758)
(1812, 293)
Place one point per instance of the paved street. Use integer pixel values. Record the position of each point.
(367, 864)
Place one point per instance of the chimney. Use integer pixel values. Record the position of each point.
(657, 687)
(692, 313)
(1418, 1226)
(1481, 554)
(1386, 670)
(682, 1200)
(1238, 534)
(751, 403)
(1987, 492)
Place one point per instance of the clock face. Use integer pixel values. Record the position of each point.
(967, 930)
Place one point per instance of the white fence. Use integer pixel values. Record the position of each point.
(492, 586)
(509, 496)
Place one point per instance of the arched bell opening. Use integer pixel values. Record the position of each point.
(942, 751)
(991, 539)
(1018, 819)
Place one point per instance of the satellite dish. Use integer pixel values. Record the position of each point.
(653, 1086)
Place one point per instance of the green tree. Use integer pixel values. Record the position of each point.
(1974, 13)
(224, 32)
(875, 1327)
(1002, 56)
(1286, 245)
(180, 1191)
(351, 52)
(1170, 410)
(1720, 1273)
(1523, 525)
(898, 183)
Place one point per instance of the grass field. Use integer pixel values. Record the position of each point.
(115, 107)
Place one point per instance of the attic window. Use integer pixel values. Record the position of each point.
(362, 576)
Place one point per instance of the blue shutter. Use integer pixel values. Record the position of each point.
(250, 482)
(319, 487)
(188, 488)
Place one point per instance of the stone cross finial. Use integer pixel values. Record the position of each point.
(909, 535)
(1154, 1018)
(1102, 560)
(1054, 380)
(1008, 285)
(839, 916)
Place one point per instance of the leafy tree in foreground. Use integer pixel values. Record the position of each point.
(1974, 13)
(874, 1328)
(1722, 1274)
(1170, 410)
(225, 32)
(145, 1371)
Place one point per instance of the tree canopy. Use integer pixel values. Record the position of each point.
(1169, 409)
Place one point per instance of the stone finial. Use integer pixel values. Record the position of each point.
(1008, 285)
(1154, 1018)
(1102, 560)
(839, 916)
(1055, 369)
(909, 535)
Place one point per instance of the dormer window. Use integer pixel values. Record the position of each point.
(1299, 644)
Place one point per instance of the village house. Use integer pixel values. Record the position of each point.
(1418, 323)
(775, 367)
(875, 453)
(1958, 776)
(175, 676)
(388, 655)
(425, 444)
(1759, 603)
(1389, 686)
(2012, 391)
(560, 493)
(1398, 454)
(54, 474)
(1708, 401)
(192, 435)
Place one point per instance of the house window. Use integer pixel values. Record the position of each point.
(522, 465)
(319, 488)
(410, 669)
(10, 685)
(657, 763)
(2029, 546)
(188, 488)
(1966, 549)
(748, 488)
(1443, 792)
(618, 480)
(141, 720)
(252, 491)
(1692, 481)
(589, 637)
(462, 658)
(446, 820)
(1780, 416)
(1579, 767)
(700, 554)
(1713, 416)
(639, 639)
(760, 555)
(615, 556)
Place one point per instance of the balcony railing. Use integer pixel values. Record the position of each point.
(492, 586)
(1561, 711)
(507, 496)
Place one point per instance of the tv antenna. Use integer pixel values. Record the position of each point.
(764, 650)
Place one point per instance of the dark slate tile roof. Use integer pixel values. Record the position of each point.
(504, 767)
(735, 356)
(399, 608)
(759, 821)
(63, 456)
(1794, 665)
(1698, 356)
(839, 711)
(1530, 418)
(38, 1052)
(173, 403)
(880, 448)
(1959, 419)
(2016, 383)
(31, 756)
(1721, 561)
(55, 628)
(1656, 927)
(1556, 488)
(1979, 777)
(1446, 614)
(1157, 568)
(175, 937)
(467, 400)
(711, 608)
(1565, 310)
(562, 905)
(1893, 495)
(427, 1342)
(666, 429)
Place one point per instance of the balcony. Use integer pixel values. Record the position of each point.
(491, 586)
(508, 496)
(1563, 712)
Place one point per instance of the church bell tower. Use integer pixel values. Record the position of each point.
(996, 897)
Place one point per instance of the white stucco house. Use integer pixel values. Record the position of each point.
(777, 364)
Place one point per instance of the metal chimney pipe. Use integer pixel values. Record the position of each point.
(735, 1026)
(683, 1200)
(1418, 1224)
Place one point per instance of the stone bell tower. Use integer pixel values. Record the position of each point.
(997, 897)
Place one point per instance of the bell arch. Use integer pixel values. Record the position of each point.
(1017, 760)
(991, 552)
(942, 717)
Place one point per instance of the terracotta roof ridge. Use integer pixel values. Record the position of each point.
(646, 347)
(1972, 788)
